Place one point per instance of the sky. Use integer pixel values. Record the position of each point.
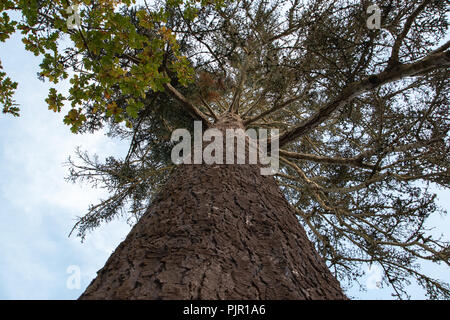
(38, 207)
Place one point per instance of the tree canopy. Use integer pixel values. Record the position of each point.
(362, 113)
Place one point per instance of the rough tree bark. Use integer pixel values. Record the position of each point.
(216, 232)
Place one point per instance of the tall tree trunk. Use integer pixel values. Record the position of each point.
(216, 232)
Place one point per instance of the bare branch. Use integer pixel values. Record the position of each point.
(354, 89)
(398, 42)
(188, 105)
(353, 162)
